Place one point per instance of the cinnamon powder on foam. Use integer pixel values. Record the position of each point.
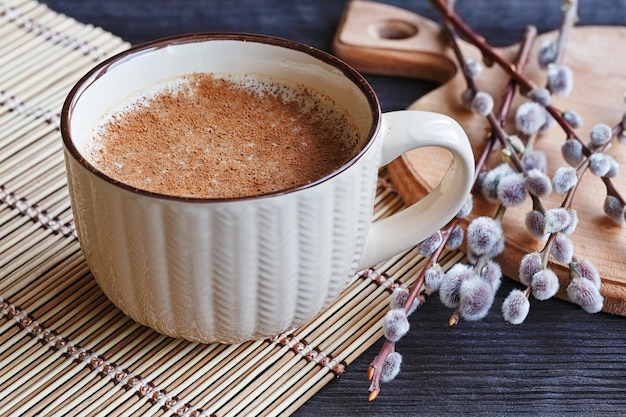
(210, 137)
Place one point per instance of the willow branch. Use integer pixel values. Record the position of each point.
(450, 17)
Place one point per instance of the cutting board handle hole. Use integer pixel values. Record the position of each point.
(393, 29)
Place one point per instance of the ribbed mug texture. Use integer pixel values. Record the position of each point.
(224, 271)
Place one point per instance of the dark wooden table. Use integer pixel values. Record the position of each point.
(561, 361)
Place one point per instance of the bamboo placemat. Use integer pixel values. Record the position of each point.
(64, 348)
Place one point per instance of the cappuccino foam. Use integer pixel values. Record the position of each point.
(223, 136)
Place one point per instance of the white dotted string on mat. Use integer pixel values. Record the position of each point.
(380, 278)
(13, 104)
(99, 364)
(310, 353)
(37, 214)
(29, 25)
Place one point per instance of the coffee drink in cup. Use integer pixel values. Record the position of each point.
(208, 135)
(257, 257)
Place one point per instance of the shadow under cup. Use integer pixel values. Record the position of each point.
(221, 270)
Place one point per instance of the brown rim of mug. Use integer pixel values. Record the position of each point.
(354, 76)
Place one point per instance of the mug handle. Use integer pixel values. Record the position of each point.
(401, 132)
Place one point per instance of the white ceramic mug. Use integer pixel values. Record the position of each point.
(247, 268)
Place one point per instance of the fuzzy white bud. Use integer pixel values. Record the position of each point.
(560, 79)
(511, 190)
(556, 220)
(544, 284)
(531, 264)
(614, 209)
(538, 183)
(429, 245)
(573, 118)
(535, 223)
(572, 151)
(483, 234)
(540, 95)
(490, 181)
(573, 222)
(529, 118)
(399, 298)
(482, 103)
(451, 284)
(582, 292)
(473, 68)
(599, 164)
(515, 307)
(475, 298)
(391, 367)
(600, 134)
(433, 278)
(547, 53)
(536, 160)
(562, 249)
(492, 273)
(395, 324)
(613, 168)
(456, 237)
(564, 179)
(585, 269)
(466, 208)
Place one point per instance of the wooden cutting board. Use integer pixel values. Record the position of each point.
(386, 40)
